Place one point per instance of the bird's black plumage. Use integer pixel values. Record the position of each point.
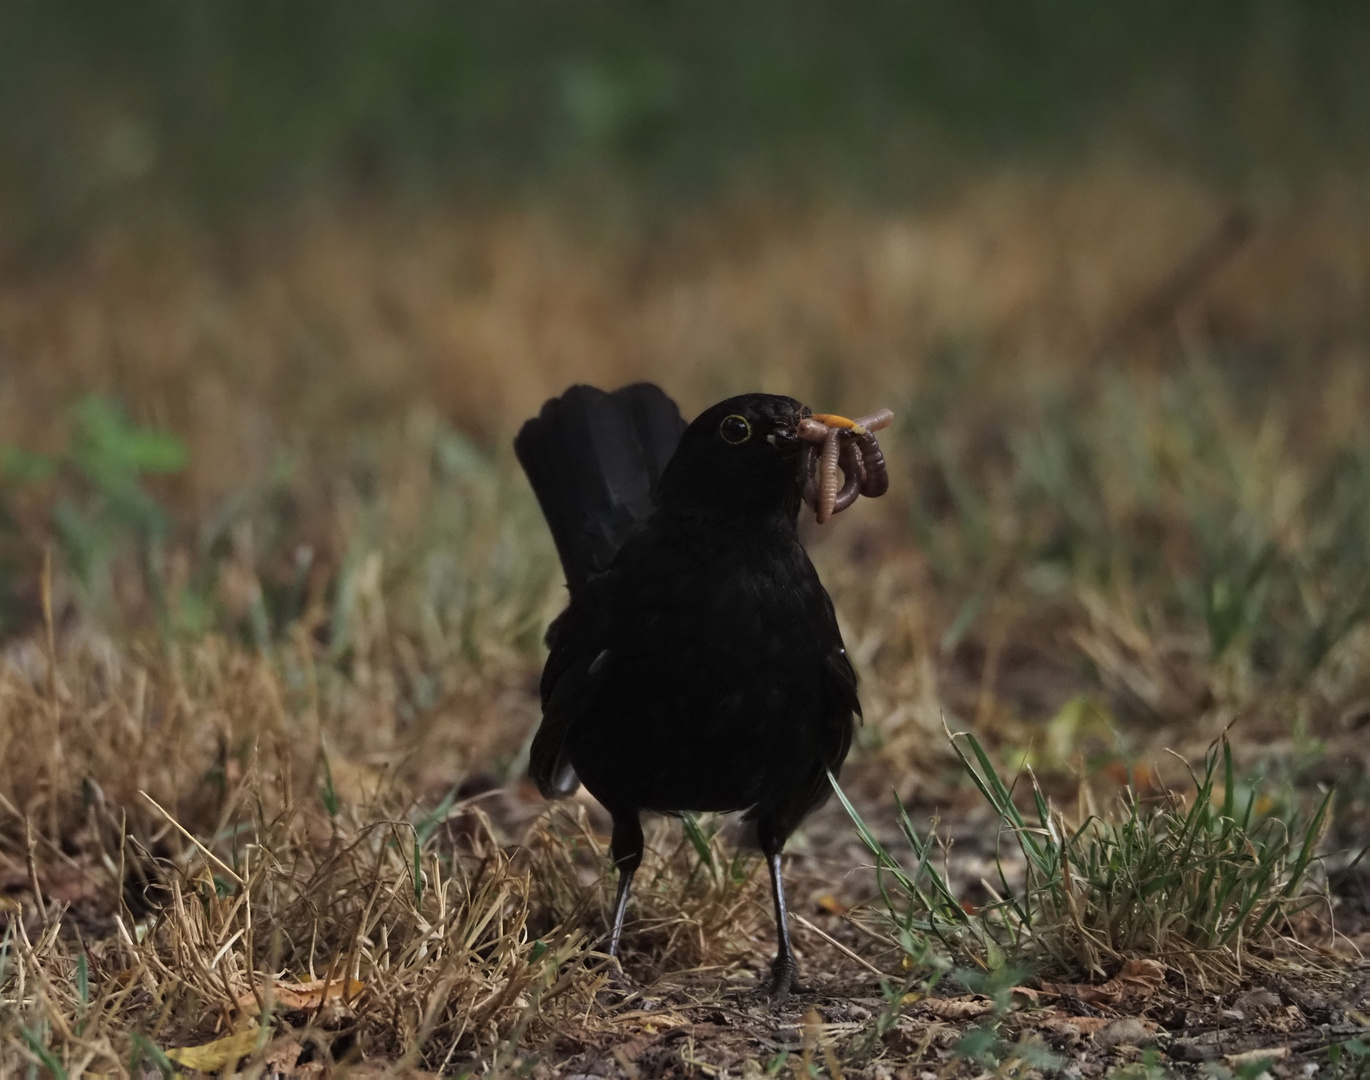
(698, 665)
(592, 459)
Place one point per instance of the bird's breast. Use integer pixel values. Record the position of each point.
(713, 686)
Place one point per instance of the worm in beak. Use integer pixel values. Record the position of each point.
(846, 445)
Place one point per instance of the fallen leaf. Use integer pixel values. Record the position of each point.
(281, 1055)
(1142, 977)
(1024, 997)
(1251, 1057)
(297, 997)
(1138, 978)
(1124, 1031)
(217, 1055)
(957, 1008)
(1063, 1024)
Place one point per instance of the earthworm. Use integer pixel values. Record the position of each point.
(875, 479)
(853, 472)
(858, 456)
(827, 475)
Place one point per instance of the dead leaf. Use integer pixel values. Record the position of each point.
(957, 1008)
(1064, 1024)
(1138, 979)
(301, 997)
(1142, 978)
(1024, 997)
(1251, 1057)
(280, 1056)
(217, 1055)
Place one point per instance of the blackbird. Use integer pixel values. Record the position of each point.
(698, 665)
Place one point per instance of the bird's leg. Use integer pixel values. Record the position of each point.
(626, 849)
(625, 882)
(784, 969)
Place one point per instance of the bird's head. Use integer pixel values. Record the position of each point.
(741, 457)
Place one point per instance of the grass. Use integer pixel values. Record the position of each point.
(273, 591)
(1201, 882)
(308, 916)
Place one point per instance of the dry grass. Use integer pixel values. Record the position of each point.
(182, 941)
(201, 894)
(275, 337)
(1112, 532)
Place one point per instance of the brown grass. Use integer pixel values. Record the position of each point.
(256, 339)
(209, 890)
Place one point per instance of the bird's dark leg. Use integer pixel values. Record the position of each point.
(784, 969)
(626, 849)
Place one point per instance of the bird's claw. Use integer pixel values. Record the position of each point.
(617, 988)
(784, 978)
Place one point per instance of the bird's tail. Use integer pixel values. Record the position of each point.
(593, 459)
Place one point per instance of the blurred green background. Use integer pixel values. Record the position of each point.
(218, 107)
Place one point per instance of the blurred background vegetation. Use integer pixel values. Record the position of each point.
(220, 108)
(277, 283)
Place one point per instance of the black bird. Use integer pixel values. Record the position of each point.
(698, 665)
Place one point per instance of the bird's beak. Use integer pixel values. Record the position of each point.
(785, 435)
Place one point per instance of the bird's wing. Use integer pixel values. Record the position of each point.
(841, 710)
(575, 661)
(843, 703)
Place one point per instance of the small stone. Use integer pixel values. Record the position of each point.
(1125, 1031)
(847, 1012)
(1260, 1002)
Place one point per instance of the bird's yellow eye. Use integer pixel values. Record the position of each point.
(735, 430)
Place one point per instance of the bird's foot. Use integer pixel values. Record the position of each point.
(618, 988)
(784, 978)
